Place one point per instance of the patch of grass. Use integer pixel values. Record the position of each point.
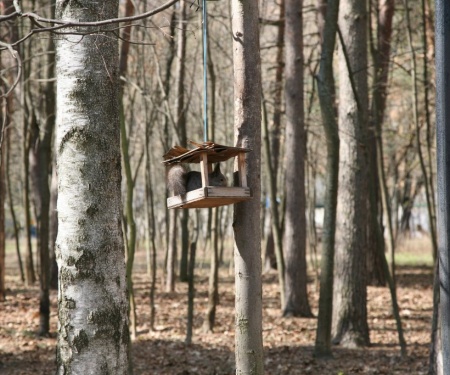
(413, 259)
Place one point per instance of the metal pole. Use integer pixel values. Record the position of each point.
(205, 71)
(443, 169)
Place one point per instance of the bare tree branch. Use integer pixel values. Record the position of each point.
(16, 56)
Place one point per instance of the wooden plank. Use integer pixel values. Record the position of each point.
(242, 170)
(188, 197)
(220, 191)
(201, 198)
(204, 169)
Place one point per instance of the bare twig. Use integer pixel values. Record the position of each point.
(16, 56)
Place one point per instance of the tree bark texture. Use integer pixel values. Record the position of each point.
(326, 90)
(443, 173)
(296, 296)
(180, 108)
(40, 172)
(380, 48)
(349, 299)
(2, 210)
(92, 301)
(246, 221)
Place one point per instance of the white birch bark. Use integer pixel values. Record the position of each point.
(247, 228)
(92, 302)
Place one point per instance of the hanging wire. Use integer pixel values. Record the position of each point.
(205, 72)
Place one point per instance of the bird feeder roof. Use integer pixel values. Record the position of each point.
(216, 153)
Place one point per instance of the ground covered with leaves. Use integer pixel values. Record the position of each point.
(288, 342)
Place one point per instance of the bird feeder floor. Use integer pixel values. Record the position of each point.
(210, 196)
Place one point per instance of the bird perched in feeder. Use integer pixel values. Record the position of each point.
(179, 181)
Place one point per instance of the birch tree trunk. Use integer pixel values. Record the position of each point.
(93, 325)
(349, 299)
(246, 223)
(294, 240)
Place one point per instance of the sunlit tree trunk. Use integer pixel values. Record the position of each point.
(350, 327)
(325, 85)
(93, 325)
(246, 225)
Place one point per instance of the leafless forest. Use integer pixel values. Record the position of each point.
(328, 269)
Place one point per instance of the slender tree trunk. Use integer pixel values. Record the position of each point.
(9, 35)
(2, 205)
(247, 227)
(213, 289)
(426, 91)
(443, 174)
(191, 293)
(181, 126)
(11, 202)
(129, 181)
(30, 275)
(275, 129)
(296, 303)
(90, 248)
(151, 227)
(171, 252)
(275, 238)
(380, 50)
(435, 358)
(415, 99)
(349, 300)
(325, 84)
(213, 214)
(40, 172)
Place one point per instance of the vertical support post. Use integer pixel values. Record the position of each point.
(204, 169)
(242, 170)
(443, 169)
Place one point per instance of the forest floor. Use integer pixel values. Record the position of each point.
(288, 342)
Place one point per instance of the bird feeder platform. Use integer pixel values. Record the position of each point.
(206, 154)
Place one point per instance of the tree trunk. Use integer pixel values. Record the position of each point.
(181, 126)
(275, 132)
(350, 326)
(30, 275)
(417, 125)
(11, 202)
(443, 171)
(191, 293)
(2, 206)
(380, 50)
(247, 227)
(325, 85)
(171, 251)
(130, 226)
(213, 287)
(9, 35)
(294, 245)
(40, 172)
(275, 235)
(93, 332)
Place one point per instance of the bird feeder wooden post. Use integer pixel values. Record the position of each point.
(205, 168)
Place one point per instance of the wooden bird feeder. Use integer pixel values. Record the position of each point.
(206, 154)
